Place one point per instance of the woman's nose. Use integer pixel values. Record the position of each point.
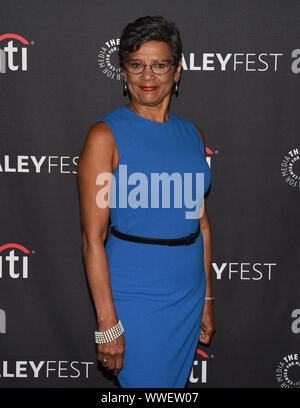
(147, 73)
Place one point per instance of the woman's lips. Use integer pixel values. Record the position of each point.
(148, 88)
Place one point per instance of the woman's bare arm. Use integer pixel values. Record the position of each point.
(208, 321)
(205, 230)
(96, 157)
(99, 155)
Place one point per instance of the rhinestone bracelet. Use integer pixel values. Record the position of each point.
(210, 298)
(109, 334)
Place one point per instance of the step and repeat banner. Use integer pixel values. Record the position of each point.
(59, 73)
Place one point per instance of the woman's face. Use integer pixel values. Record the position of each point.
(147, 54)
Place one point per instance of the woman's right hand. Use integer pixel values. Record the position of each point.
(113, 351)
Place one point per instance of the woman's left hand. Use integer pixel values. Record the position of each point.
(208, 325)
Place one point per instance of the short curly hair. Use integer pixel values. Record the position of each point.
(150, 28)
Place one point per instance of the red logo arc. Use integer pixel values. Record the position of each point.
(202, 353)
(15, 36)
(16, 246)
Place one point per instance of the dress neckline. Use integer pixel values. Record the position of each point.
(145, 119)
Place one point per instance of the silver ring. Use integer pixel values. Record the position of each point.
(104, 362)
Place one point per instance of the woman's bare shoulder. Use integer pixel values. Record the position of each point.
(100, 132)
(99, 136)
(99, 143)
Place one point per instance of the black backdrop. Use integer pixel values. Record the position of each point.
(240, 84)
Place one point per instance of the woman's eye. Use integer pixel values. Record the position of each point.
(136, 65)
(159, 65)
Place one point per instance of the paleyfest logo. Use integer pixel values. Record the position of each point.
(288, 371)
(138, 195)
(34, 369)
(108, 61)
(290, 167)
(13, 55)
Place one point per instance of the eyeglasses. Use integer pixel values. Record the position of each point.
(159, 67)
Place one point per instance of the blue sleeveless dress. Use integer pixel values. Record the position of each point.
(158, 290)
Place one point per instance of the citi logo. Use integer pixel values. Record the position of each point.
(13, 56)
(15, 264)
(199, 369)
(2, 322)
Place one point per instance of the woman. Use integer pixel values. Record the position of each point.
(152, 292)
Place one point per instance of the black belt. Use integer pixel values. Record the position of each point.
(187, 240)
